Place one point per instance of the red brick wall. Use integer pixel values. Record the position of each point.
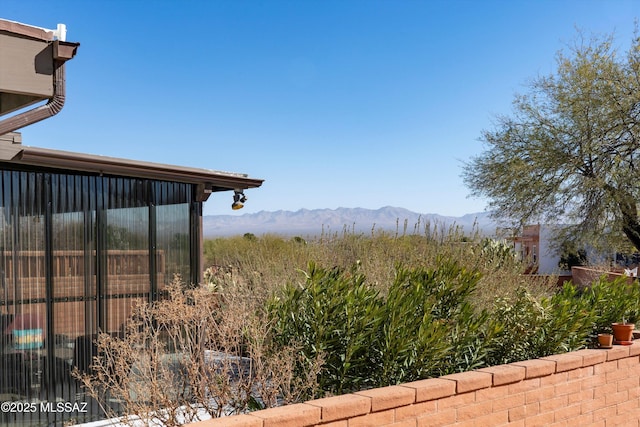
(583, 388)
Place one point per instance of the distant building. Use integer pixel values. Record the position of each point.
(534, 245)
(537, 248)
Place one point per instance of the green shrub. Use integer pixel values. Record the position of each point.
(571, 319)
(459, 337)
(397, 308)
(533, 328)
(334, 316)
(423, 327)
(412, 342)
(612, 301)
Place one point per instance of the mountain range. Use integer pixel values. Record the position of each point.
(314, 222)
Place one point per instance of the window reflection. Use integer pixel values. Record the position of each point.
(75, 255)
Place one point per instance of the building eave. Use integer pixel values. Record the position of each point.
(208, 180)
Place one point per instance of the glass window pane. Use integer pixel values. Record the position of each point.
(128, 274)
(173, 254)
(24, 312)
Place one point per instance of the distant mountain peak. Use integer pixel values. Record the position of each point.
(312, 222)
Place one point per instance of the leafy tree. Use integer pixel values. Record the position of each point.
(572, 256)
(569, 152)
(250, 236)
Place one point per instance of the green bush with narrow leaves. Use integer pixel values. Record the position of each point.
(424, 326)
(568, 320)
(335, 315)
(612, 301)
(443, 297)
(402, 307)
(533, 328)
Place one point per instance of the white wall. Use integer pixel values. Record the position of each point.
(549, 258)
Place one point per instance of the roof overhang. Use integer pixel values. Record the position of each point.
(30, 56)
(208, 181)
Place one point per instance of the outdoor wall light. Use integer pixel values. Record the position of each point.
(238, 200)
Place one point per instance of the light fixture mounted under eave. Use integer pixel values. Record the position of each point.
(238, 200)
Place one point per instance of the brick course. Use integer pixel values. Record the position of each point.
(597, 387)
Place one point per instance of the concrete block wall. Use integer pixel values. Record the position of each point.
(582, 388)
(585, 276)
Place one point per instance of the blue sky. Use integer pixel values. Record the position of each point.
(341, 103)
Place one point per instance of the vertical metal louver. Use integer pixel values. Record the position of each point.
(76, 252)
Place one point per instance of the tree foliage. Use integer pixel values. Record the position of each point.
(569, 151)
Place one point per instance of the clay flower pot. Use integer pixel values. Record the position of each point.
(605, 340)
(623, 333)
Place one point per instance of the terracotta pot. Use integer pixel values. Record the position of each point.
(605, 340)
(623, 332)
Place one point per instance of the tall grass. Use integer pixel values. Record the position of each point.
(266, 263)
